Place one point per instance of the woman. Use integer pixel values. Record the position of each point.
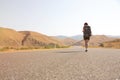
(86, 34)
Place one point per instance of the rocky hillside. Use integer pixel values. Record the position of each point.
(38, 39)
(14, 39)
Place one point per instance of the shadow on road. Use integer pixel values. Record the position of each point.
(70, 51)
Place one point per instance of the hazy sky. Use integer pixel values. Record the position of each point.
(61, 17)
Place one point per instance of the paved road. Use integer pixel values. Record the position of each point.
(61, 64)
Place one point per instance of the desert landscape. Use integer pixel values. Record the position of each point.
(11, 39)
(43, 40)
(35, 57)
(22, 40)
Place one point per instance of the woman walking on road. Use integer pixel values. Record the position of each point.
(86, 34)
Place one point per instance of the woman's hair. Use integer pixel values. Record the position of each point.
(85, 23)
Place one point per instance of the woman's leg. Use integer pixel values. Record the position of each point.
(86, 44)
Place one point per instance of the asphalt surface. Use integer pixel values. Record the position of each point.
(61, 64)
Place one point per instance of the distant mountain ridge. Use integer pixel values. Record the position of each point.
(69, 41)
(76, 37)
(80, 37)
(114, 36)
(61, 37)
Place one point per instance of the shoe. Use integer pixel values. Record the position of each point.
(86, 50)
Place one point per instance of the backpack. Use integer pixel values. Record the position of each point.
(87, 31)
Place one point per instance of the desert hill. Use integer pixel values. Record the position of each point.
(10, 37)
(95, 40)
(37, 39)
(111, 44)
(69, 41)
(13, 39)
